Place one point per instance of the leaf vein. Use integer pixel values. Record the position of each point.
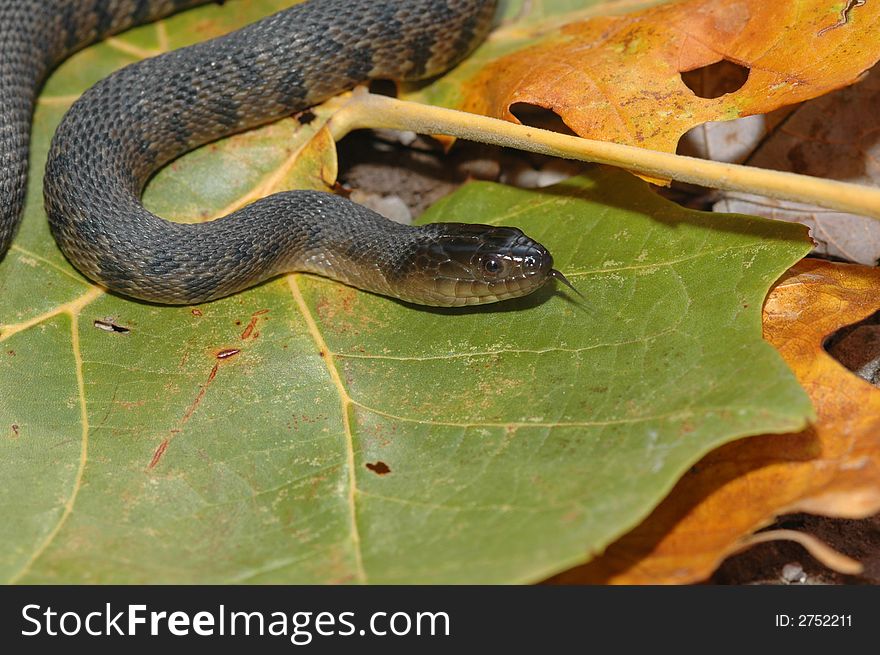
(346, 403)
(84, 451)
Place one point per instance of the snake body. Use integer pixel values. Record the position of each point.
(122, 130)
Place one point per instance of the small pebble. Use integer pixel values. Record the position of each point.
(391, 207)
(520, 174)
(793, 573)
(557, 170)
(481, 169)
(525, 176)
(404, 138)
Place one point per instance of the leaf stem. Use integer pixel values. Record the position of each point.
(367, 110)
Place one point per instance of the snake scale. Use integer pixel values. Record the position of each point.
(129, 125)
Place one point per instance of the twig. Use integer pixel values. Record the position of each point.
(818, 549)
(366, 110)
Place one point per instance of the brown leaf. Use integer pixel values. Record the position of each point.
(832, 468)
(834, 137)
(618, 78)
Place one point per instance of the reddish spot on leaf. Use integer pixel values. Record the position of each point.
(196, 312)
(379, 468)
(201, 394)
(249, 330)
(15, 429)
(158, 454)
(227, 353)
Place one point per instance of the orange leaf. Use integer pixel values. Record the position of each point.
(832, 468)
(618, 78)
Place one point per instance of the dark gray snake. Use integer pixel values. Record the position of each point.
(135, 121)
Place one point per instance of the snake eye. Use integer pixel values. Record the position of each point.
(492, 265)
(530, 264)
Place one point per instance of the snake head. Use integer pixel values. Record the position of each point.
(470, 264)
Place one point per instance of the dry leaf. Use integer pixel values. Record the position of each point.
(832, 468)
(618, 78)
(833, 137)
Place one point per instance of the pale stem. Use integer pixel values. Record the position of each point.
(367, 110)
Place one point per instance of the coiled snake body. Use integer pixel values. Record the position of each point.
(129, 125)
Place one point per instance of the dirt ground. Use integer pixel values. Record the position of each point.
(400, 175)
(785, 562)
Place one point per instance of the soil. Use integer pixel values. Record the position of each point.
(785, 562)
(401, 174)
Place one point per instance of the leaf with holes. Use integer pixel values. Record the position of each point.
(518, 25)
(832, 468)
(618, 78)
(307, 432)
(846, 148)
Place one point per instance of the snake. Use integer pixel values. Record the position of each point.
(125, 128)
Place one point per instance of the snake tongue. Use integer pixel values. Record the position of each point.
(559, 276)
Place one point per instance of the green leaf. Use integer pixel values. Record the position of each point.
(524, 12)
(307, 432)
